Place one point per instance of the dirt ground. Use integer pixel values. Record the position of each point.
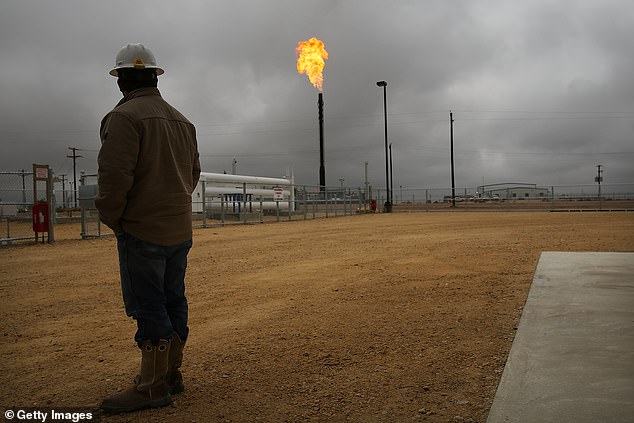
(372, 318)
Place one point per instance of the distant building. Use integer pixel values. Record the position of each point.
(513, 191)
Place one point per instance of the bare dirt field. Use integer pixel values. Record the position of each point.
(372, 318)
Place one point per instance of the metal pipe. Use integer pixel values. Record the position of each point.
(224, 178)
(244, 201)
(216, 190)
(204, 206)
(322, 168)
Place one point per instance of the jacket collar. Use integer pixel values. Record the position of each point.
(141, 92)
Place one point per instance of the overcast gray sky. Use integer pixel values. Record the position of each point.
(542, 91)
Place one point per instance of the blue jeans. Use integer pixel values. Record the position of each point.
(153, 287)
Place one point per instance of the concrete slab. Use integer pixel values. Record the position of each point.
(572, 359)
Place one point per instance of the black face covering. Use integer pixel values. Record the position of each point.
(133, 79)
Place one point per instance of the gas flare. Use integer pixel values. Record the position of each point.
(311, 59)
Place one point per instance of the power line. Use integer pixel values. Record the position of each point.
(551, 118)
(533, 153)
(548, 115)
(586, 112)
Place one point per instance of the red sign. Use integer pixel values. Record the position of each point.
(41, 173)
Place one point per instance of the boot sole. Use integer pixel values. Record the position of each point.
(177, 389)
(161, 402)
(173, 389)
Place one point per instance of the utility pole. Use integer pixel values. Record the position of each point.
(63, 178)
(453, 181)
(74, 157)
(23, 173)
(367, 191)
(598, 179)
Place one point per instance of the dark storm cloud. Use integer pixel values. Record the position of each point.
(517, 75)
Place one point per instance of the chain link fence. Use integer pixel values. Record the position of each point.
(246, 204)
(16, 201)
(250, 203)
(517, 197)
(253, 203)
(91, 226)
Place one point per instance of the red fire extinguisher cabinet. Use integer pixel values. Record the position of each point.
(40, 217)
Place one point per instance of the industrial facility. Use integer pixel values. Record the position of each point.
(513, 191)
(236, 193)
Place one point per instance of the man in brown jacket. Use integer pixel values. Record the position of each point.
(148, 168)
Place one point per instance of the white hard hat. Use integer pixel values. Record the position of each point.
(135, 56)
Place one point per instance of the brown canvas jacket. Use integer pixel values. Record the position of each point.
(148, 168)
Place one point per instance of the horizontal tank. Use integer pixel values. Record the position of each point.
(233, 193)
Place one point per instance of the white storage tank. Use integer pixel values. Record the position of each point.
(235, 193)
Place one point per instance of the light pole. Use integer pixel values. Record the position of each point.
(453, 180)
(391, 178)
(388, 204)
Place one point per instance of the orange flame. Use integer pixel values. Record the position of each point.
(311, 59)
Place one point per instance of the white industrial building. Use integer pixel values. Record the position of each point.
(513, 191)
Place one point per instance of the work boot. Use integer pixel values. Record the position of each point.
(174, 376)
(151, 390)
